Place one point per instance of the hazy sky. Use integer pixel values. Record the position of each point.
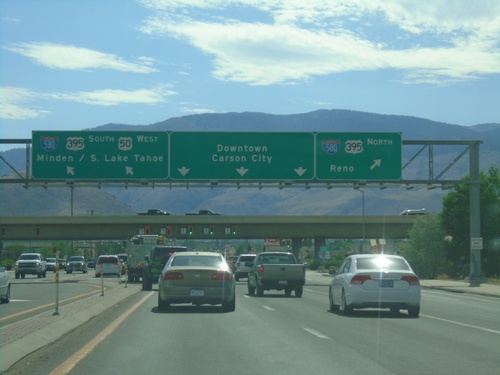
(72, 65)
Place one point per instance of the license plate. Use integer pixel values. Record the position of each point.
(197, 292)
(386, 283)
(282, 282)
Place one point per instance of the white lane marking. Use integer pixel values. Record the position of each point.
(462, 324)
(20, 300)
(268, 308)
(316, 333)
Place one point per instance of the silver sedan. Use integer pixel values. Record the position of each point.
(375, 281)
(197, 278)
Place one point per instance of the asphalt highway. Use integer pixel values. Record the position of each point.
(455, 333)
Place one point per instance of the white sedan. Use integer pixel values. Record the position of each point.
(375, 281)
(4, 285)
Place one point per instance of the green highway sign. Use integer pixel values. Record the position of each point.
(225, 156)
(106, 155)
(358, 156)
(241, 156)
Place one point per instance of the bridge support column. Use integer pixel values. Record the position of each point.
(296, 245)
(318, 242)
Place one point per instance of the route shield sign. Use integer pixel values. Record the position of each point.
(241, 156)
(104, 155)
(358, 156)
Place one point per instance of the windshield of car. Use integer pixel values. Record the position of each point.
(108, 259)
(376, 263)
(75, 259)
(29, 257)
(51, 260)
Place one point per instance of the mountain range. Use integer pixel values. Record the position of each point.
(18, 200)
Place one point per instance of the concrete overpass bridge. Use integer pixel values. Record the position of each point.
(314, 227)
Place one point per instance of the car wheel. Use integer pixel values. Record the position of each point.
(229, 306)
(237, 278)
(17, 275)
(414, 311)
(40, 275)
(251, 289)
(344, 307)
(394, 310)
(162, 305)
(298, 291)
(260, 291)
(23, 276)
(288, 292)
(333, 307)
(6, 299)
(147, 284)
(44, 274)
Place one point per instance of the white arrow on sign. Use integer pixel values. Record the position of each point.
(300, 171)
(70, 170)
(129, 170)
(376, 163)
(183, 171)
(242, 171)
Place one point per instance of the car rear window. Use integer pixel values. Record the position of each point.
(108, 260)
(195, 261)
(247, 258)
(376, 263)
(163, 253)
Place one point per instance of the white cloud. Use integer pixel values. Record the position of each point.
(439, 41)
(14, 104)
(58, 56)
(14, 101)
(116, 97)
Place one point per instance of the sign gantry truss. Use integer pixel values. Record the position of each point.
(424, 163)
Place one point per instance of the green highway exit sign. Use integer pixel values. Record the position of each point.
(358, 156)
(106, 155)
(241, 156)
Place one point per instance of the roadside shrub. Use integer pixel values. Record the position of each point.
(315, 264)
(8, 264)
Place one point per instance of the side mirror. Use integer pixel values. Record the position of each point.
(332, 272)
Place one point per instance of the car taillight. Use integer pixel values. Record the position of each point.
(173, 276)
(261, 269)
(412, 280)
(221, 276)
(360, 279)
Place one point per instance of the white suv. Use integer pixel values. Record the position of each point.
(240, 269)
(108, 265)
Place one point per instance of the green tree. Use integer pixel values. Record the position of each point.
(455, 219)
(426, 250)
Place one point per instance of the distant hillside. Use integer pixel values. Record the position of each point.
(118, 201)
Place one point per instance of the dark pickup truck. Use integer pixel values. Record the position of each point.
(155, 211)
(278, 271)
